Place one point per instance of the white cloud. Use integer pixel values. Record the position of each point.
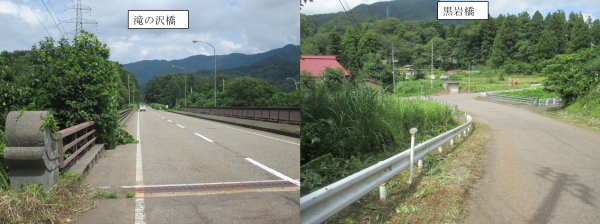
(134, 37)
(144, 52)
(23, 12)
(230, 45)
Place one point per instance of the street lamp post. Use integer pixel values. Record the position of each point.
(469, 85)
(128, 91)
(133, 95)
(185, 85)
(295, 83)
(215, 53)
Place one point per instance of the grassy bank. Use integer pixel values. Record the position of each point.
(539, 93)
(349, 128)
(439, 192)
(584, 112)
(32, 204)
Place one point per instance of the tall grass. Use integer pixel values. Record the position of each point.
(537, 92)
(348, 128)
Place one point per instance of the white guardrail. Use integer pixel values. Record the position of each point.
(326, 202)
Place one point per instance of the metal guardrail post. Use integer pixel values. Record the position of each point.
(412, 152)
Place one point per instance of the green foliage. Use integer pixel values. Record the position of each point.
(538, 93)
(573, 75)
(348, 128)
(104, 194)
(249, 92)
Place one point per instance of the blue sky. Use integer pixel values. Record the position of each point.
(497, 7)
(232, 26)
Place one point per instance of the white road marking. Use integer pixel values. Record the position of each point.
(169, 120)
(193, 184)
(139, 180)
(180, 126)
(205, 138)
(250, 132)
(274, 172)
(163, 117)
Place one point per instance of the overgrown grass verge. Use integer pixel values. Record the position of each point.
(585, 112)
(348, 128)
(439, 192)
(32, 204)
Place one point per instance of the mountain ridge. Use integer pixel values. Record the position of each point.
(145, 70)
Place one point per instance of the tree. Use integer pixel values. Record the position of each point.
(573, 75)
(547, 47)
(580, 36)
(595, 31)
(376, 70)
(488, 32)
(76, 81)
(334, 47)
(506, 40)
(536, 26)
(249, 92)
(349, 57)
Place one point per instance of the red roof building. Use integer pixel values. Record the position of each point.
(317, 64)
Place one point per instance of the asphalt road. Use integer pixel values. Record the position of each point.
(538, 169)
(178, 149)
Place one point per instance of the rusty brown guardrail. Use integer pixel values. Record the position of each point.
(272, 113)
(125, 113)
(72, 131)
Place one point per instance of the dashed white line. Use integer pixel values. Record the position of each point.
(180, 126)
(139, 180)
(169, 120)
(163, 117)
(250, 132)
(205, 138)
(274, 172)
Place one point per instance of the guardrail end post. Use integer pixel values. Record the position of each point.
(440, 149)
(382, 192)
(420, 164)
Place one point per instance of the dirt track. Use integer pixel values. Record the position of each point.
(538, 170)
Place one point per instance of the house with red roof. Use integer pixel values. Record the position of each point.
(316, 64)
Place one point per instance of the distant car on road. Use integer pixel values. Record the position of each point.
(142, 107)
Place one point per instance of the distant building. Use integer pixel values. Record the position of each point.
(317, 64)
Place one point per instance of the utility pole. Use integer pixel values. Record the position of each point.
(388, 12)
(432, 61)
(223, 85)
(128, 91)
(393, 69)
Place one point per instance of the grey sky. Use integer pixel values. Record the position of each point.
(232, 26)
(497, 7)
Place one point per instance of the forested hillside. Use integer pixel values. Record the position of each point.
(518, 43)
(272, 69)
(401, 9)
(147, 69)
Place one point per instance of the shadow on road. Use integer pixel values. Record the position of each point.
(562, 182)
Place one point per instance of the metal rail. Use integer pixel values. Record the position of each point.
(272, 113)
(125, 113)
(88, 143)
(326, 202)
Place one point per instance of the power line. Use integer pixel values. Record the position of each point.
(56, 16)
(61, 33)
(37, 18)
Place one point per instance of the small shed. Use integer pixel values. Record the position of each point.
(451, 87)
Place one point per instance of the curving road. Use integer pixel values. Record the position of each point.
(538, 169)
(176, 149)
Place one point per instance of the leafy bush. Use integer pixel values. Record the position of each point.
(539, 93)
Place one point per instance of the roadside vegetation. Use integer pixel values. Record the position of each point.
(75, 81)
(439, 192)
(346, 128)
(239, 92)
(32, 204)
(539, 93)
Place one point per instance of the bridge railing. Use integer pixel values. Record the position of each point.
(271, 113)
(125, 113)
(326, 202)
(88, 137)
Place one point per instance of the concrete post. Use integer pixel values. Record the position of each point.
(420, 164)
(382, 192)
(31, 153)
(440, 149)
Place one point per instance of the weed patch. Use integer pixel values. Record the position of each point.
(32, 204)
(104, 194)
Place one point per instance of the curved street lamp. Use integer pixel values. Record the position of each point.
(185, 85)
(295, 83)
(215, 53)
